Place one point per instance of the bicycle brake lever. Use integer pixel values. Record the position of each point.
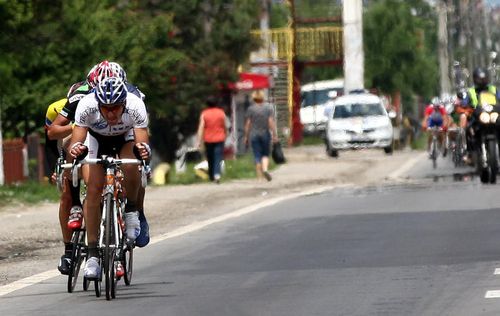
(74, 173)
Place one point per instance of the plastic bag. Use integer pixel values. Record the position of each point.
(277, 153)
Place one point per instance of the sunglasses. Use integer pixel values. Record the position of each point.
(111, 107)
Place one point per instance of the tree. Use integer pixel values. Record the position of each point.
(400, 42)
(177, 52)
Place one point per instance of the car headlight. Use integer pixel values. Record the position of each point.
(493, 117)
(484, 117)
(384, 129)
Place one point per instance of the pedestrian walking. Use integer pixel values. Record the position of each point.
(212, 132)
(260, 129)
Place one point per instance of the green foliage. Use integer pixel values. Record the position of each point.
(176, 52)
(399, 41)
(241, 168)
(29, 192)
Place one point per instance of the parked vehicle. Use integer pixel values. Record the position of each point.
(358, 120)
(316, 98)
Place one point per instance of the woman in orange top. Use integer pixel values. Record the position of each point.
(212, 131)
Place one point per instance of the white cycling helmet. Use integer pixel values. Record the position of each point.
(110, 91)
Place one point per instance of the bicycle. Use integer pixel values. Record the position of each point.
(434, 151)
(78, 244)
(114, 250)
(460, 148)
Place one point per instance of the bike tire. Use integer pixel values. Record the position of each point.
(97, 286)
(128, 264)
(457, 153)
(77, 241)
(108, 253)
(86, 283)
(434, 153)
(492, 160)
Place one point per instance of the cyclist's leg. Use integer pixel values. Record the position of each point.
(64, 206)
(143, 238)
(93, 202)
(91, 209)
(131, 182)
(75, 210)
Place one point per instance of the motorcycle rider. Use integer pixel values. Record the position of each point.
(472, 99)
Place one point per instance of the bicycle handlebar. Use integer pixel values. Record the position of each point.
(95, 161)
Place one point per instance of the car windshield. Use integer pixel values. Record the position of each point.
(358, 109)
(315, 97)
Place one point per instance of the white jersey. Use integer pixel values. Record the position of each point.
(134, 116)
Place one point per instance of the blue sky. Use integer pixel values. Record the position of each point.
(494, 2)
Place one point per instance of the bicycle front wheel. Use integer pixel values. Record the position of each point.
(78, 242)
(128, 264)
(108, 247)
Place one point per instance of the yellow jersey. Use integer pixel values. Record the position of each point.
(53, 110)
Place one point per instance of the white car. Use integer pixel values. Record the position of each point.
(358, 120)
(315, 98)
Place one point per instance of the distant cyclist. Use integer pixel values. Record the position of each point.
(115, 122)
(435, 116)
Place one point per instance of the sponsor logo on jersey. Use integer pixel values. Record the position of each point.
(76, 97)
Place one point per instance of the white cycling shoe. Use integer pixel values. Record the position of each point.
(133, 225)
(92, 269)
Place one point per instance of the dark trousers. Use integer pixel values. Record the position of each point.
(214, 152)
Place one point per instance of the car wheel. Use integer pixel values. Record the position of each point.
(388, 150)
(332, 152)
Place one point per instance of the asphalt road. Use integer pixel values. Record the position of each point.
(426, 247)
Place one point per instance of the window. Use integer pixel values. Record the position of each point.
(315, 97)
(358, 110)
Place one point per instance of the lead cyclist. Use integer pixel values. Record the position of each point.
(70, 209)
(116, 122)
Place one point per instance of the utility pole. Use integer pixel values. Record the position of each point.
(354, 59)
(443, 49)
(2, 176)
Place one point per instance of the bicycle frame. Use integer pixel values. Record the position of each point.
(112, 227)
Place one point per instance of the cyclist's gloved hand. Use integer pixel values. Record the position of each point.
(78, 150)
(142, 151)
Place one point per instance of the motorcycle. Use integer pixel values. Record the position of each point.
(486, 129)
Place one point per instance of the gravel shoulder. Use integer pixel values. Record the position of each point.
(30, 239)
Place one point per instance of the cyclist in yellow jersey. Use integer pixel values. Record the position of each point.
(70, 195)
(51, 146)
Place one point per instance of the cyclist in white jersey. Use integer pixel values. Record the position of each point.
(116, 122)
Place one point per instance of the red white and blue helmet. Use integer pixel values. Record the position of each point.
(90, 76)
(103, 70)
(118, 71)
(110, 91)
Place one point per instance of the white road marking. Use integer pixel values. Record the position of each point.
(492, 294)
(406, 166)
(497, 271)
(20, 284)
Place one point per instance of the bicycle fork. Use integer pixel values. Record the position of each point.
(109, 191)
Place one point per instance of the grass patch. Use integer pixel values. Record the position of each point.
(28, 193)
(309, 140)
(241, 168)
(420, 143)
